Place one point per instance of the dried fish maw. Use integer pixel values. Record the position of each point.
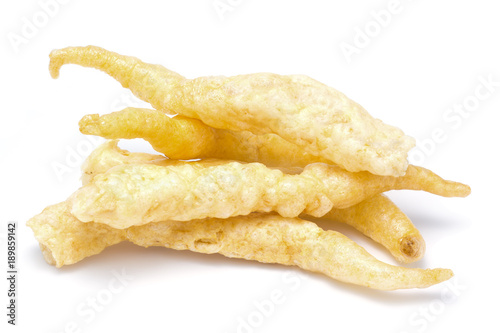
(317, 118)
(268, 238)
(381, 220)
(64, 240)
(186, 138)
(135, 194)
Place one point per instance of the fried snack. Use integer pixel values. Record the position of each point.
(108, 154)
(186, 138)
(377, 217)
(64, 240)
(319, 119)
(136, 194)
(381, 220)
(182, 138)
(267, 238)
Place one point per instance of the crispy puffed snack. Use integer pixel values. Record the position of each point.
(377, 217)
(317, 118)
(187, 138)
(136, 194)
(268, 238)
(381, 220)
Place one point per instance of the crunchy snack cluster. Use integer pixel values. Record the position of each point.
(273, 150)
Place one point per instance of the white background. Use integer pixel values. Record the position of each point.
(426, 58)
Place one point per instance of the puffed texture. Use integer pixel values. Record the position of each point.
(267, 238)
(321, 120)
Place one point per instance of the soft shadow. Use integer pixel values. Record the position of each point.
(127, 254)
(149, 260)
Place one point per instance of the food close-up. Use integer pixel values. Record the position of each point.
(244, 166)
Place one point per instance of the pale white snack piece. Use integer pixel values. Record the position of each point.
(136, 194)
(268, 238)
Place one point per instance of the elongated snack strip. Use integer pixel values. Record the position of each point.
(267, 238)
(381, 220)
(317, 118)
(187, 138)
(136, 194)
(377, 217)
(417, 178)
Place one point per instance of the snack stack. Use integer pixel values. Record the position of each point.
(268, 149)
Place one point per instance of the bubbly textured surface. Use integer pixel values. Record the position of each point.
(108, 155)
(317, 118)
(135, 194)
(188, 138)
(65, 241)
(377, 217)
(267, 238)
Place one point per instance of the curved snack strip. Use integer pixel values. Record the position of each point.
(381, 220)
(187, 138)
(377, 217)
(417, 178)
(315, 117)
(136, 194)
(267, 238)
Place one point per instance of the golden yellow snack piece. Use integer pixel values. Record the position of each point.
(136, 194)
(267, 238)
(181, 138)
(377, 217)
(317, 118)
(381, 220)
(186, 138)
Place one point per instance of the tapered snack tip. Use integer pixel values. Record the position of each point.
(443, 274)
(415, 278)
(459, 190)
(187, 138)
(88, 125)
(381, 219)
(176, 137)
(412, 248)
(75, 55)
(419, 178)
(56, 62)
(435, 276)
(83, 56)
